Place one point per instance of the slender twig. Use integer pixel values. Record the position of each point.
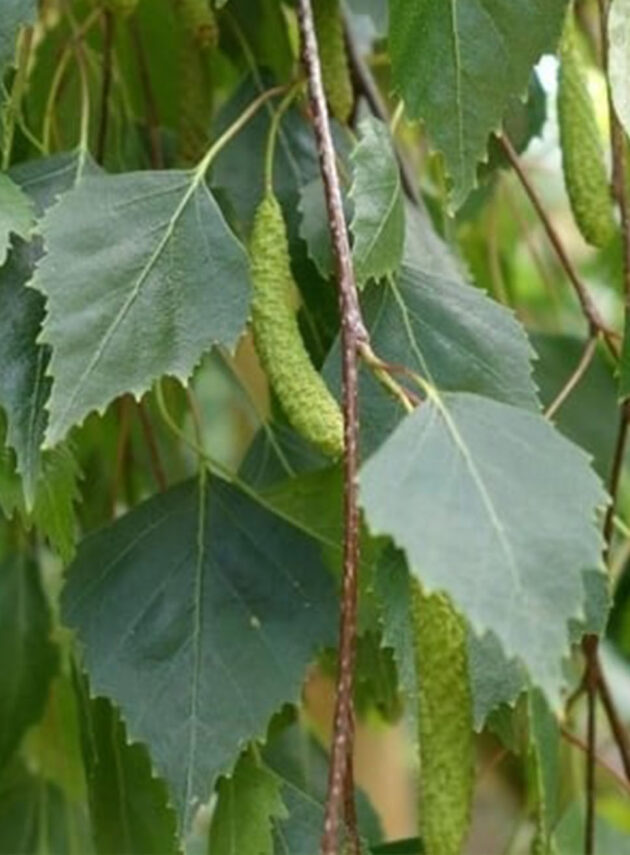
(152, 114)
(616, 725)
(17, 92)
(615, 477)
(152, 445)
(582, 367)
(572, 739)
(366, 85)
(589, 646)
(595, 321)
(122, 443)
(106, 84)
(353, 334)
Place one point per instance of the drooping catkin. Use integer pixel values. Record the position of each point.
(334, 58)
(445, 723)
(582, 151)
(306, 400)
(199, 20)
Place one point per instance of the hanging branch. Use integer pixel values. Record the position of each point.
(589, 309)
(353, 335)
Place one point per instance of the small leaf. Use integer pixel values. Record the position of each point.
(457, 65)
(142, 276)
(314, 226)
(378, 225)
(29, 655)
(494, 508)
(129, 808)
(619, 59)
(16, 214)
(14, 14)
(198, 614)
(248, 802)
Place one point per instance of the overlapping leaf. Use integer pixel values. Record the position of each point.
(492, 506)
(378, 225)
(16, 214)
(456, 64)
(198, 615)
(142, 276)
(619, 59)
(14, 14)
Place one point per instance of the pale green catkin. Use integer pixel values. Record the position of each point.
(195, 104)
(447, 759)
(334, 59)
(303, 394)
(199, 20)
(582, 152)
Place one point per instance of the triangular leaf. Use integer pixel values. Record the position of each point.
(198, 615)
(378, 225)
(141, 273)
(457, 64)
(493, 507)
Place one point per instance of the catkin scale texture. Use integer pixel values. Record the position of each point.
(445, 723)
(303, 394)
(582, 152)
(334, 59)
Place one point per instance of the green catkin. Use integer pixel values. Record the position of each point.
(447, 761)
(334, 59)
(582, 152)
(303, 394)
(199, 20)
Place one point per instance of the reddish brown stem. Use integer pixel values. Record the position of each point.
(151, 442)
(353, 334)
(572, 739)
(589, 309)
(616, 725)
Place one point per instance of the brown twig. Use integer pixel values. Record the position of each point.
(353, 334)
(578, 743)
(366, 85)
(589, 646)
(106, 84)
(151, 442)
(595, 321)
(582, 367)
(616, 725)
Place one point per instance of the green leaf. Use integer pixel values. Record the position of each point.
(129, 808)
(494, 679)
(456, 64)
(493, 507)
(198, 614)
(378, 225)
(619, 59)
(14, 14)
(24, 388)
(55, 498)
(446, 331)
(375, 9)
(315, 228)
(569, 834)
(36, 818)
(248, 803)
(544, 738)
(141, 272)
(16, 214)
(29, 655)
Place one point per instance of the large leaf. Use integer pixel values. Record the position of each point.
(198, 615)
(16, 214)
(456, 64)
(378, 225)
(129, 808)
(14, 14)
(30, 658)
(142, 276)
(493, 507)
(544, 741)
(619, 59)
(249, 802)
